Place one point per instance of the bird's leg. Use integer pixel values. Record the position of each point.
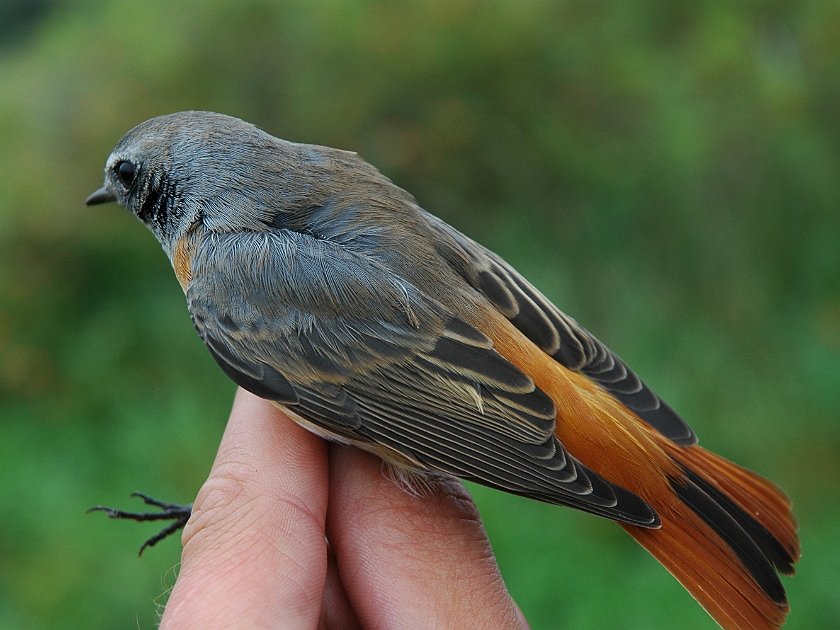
(178, 514)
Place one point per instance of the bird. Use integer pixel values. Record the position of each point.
(321, 286)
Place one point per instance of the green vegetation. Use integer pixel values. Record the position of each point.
(668, 173)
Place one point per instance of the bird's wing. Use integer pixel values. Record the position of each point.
(372, 360)
(556, 333)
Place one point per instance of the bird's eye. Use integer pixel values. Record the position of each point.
(125, 173)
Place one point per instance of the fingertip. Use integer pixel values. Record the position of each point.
(523, 622)
(254, 548)
(263, 455)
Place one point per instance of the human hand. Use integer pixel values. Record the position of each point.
(256, 552)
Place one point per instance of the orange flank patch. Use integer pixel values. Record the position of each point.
(182, 261)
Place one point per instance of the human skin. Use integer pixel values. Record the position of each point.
(256, 553)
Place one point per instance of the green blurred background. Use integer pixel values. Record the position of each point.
(666, 172)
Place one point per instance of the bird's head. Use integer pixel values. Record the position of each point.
(176, 171)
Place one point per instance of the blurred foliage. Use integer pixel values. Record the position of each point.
(666, 172)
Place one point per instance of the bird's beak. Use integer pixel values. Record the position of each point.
(100, 196)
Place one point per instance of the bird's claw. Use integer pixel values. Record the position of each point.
(178, 514)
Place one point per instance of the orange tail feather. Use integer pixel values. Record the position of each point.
(689, 549)
(725, 530)
(705, 562)
(758, 497)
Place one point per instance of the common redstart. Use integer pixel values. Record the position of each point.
(319, 285)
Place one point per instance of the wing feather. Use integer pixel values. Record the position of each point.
(395, 369)
(554, 332)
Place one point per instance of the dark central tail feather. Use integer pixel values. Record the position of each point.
(724, 530)
(758, 505)
(729, 522)
(771, 547)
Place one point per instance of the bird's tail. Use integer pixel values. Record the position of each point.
(725, 532)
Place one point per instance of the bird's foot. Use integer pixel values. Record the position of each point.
(178, 514)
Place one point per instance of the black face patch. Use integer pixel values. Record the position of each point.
(158, 202)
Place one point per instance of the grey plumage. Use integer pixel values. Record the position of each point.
(318, 284)
(304, 297)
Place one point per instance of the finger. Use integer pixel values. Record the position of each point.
(411, 561)
(254, 548)
(520, 616)
(336, 613)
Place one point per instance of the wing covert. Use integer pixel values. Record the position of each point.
(394, 370)
(557, 334)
